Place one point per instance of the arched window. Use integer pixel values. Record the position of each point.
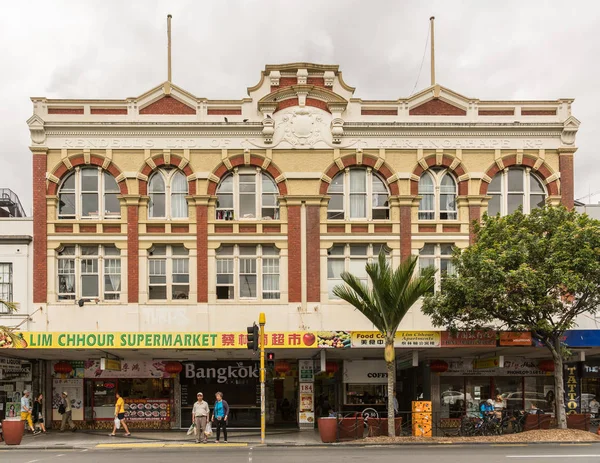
(89, 193)
(358, 193)
(438, 192)
(513, 188)
(247, 193)
(167, 189)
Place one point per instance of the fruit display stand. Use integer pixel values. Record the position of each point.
(421, 417)
(12, 430)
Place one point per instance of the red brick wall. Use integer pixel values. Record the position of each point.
(224, 112)
(496, 112)
(65, 110)
(437, 107)
(202, 248)
(405, 232)
(538, 112)
(379, 112)
(474, 215)
(313, 254)
(133, 251)
(294, 255)
(567, 188)
(40, 231)
(109, 111)
(167, 105)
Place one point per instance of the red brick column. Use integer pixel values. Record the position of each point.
(474, 215)
(405, 231)
(40, 228)
(202, 251)
(294, 254)
(567, 182)
(133, 253)
(313, 253)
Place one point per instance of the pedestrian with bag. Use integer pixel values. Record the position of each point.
(67, 413)
(221, 413)
(120, 416)
(26, 411)
(200, 414)
(38, 418)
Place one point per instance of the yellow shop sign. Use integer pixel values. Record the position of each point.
(198, 340)
(406, 339)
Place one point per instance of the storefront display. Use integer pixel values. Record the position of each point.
(365, 383)
(74, 389)
(15, 376)
(239, 382)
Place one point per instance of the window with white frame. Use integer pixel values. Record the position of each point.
(89, 193)
(438, 191)
(513, 188)
(438, 256)
(358, 193)
(351, 258)
(247, 272)
(89, 272)
(6, 285)
(247, 193)
(168, 273)
(167, 189)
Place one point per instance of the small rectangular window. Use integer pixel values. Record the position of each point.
(225, 278)
(6, 285)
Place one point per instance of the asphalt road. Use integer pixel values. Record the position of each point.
(347, 454)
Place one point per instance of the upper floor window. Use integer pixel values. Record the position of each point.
(89, 271)
(358, 194)
(438, 192)
(247, 193)
(513, 188)
(248, 272)
(351, 258)
(6, 285)
(438, 256)
(167, 189)
(168, 273)
(89, 193)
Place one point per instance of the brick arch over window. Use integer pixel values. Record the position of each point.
(511, 160)
(237, 161)
(458, 171)
(367, 161)
(159, 161)
(61, 170)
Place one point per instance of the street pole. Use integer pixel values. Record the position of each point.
(261, 321)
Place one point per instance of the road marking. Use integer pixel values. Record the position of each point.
(32, 461)
(165, 445)
(508, 445)
(552, 456)
(574, 445)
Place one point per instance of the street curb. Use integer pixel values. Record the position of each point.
(321, 445)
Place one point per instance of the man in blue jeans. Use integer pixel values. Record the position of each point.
(220, 413)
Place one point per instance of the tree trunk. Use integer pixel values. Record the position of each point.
(559, 385)
(390, 360)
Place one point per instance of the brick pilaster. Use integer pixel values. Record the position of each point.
(405, 231)
(40, 228)
(294, 254)
(202, 251)
(474, 215)
(133, 253)
(567, 179)
(313, 253)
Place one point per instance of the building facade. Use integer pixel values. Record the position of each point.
(164, 223)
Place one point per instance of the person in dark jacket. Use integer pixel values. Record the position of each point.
(221, 413)
(38, 418)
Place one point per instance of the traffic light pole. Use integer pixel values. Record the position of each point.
(261, 321)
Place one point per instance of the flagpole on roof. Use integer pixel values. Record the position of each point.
(432, 20)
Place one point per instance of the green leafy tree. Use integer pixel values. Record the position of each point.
(534, 272)
(385, 303)
(8, 337)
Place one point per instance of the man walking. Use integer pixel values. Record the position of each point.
(67, 416)
(200, 414)
(26, 411)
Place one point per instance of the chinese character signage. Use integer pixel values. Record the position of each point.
(480, 338)
(406, 339)
(514, 338)
(306, 371)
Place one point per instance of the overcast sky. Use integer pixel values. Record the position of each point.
(117, 49)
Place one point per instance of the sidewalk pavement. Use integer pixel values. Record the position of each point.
(150, 439)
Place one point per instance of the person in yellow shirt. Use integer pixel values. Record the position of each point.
(120, 415)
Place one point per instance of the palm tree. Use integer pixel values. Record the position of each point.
(392, 294)
(8, 337)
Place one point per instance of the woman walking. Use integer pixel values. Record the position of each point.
(120, 415)
(220, 413)
(38, 418)
(200, 414)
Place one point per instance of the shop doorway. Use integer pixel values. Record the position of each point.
(285, 389)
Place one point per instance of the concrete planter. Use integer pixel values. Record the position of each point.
(12, 431)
